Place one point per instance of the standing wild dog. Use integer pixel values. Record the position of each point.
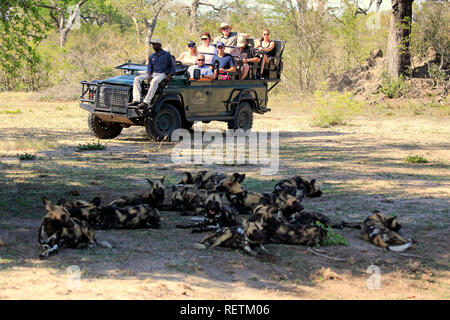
(155, 197)
(381, 230)
(217, 215)
(141, 216)
(298, 187)
(83, 210)
(288, 233)
(203, 179)
(59, 230)
(188, 202)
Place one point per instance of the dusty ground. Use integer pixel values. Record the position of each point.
(360, 166)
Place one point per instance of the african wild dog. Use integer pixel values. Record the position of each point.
(203, 179)
(59, 230)
(155, 197)
(83, 210)
(246, 201)
(298, 187)
(288, 206)
(289, 233)
(381, 230)
(188, 202)
(217, 215)
(130, 217)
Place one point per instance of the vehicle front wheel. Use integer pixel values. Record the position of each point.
(103, 129)
(243, 118)
(164, 122)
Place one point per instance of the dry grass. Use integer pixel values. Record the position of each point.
(360, 167)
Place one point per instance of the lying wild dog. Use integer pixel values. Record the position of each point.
(203, 179)
(298, 187)
(141, 216)
(59, 230)
(155, 197)
(246, 237)
(288, 206)
(217, 215)
(188, 202)
(381, 230)
(288, 233)
(83, 210)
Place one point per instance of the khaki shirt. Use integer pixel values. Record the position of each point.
(230, 42)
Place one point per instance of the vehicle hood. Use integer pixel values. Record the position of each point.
(122, 79)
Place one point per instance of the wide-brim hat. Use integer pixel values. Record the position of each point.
(157, 40)
(223, 25)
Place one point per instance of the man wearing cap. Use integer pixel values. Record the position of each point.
(205, 71)
(245, 54)
(228, 38)
(160, 66)
(225, 60)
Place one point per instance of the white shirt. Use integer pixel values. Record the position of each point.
(209, 52)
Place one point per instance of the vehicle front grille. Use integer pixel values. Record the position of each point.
(113, 99)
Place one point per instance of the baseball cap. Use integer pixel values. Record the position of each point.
(220, 44)
(157, 40)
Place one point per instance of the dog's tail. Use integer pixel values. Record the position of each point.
(104, 244)
(403, 247)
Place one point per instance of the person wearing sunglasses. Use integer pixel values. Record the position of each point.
(206, 48)
(189, 57)
(228, 37)
(225, 60)
(267, 48)
(205, 71)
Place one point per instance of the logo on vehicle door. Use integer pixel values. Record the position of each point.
(199, 98)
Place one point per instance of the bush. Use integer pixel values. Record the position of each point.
(333, 238)
(91, 146)
(26, 156)
(415, 159)
(393, 88)
(334, 108)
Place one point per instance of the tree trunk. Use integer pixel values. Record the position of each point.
(397, 53)
(150, 29)
(193, 26)
(138, 33)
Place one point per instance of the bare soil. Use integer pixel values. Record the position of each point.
(361, 168)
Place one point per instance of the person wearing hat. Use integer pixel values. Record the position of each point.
(228, 37)
(206, 48)
(245, 54)
(225, 60)
(160, 66)
(205, 71)
(189, 57)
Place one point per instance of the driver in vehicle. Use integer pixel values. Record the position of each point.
(205, 71)
(245, 54)
(160, 66)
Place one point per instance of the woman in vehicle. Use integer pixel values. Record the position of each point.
(206, 48)
(189, 57)
(267, 47)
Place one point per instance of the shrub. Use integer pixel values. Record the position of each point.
(26, 156)
(10, 111)
(91, 146)
(415, 159)
(333, 238)
(393, 88)
(334, 108)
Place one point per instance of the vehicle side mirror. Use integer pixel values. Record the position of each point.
(197, 74)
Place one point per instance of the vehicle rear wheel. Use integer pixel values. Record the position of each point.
(103, 129)
(165, 121)
(243, 118)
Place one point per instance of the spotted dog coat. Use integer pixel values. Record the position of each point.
(141, 216)
(298, 187)
(381, 230)
(155, 197)
(217, 215)
(83, 210)
(59, 230)
(203, 179)
(189, 202)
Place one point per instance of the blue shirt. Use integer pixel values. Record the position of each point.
(204, 70)
(162, 63)
(225, 62)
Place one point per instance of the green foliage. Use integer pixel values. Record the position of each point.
(333, 238)
(334, 108)
(91, 146)
(415, 159)
(393, 88)
(10, 111)
(26, 156)
(437, 74)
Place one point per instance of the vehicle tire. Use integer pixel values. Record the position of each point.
(164, 122)
(243, 117)
(103, 129)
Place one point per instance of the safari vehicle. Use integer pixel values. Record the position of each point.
(179, 102)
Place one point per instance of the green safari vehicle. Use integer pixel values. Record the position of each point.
(179, 102)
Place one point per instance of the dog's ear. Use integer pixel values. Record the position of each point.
(96, 201)
(150, 182)
(61, 202)
(48, 204)
(241, 178)
(184, 191)
(162, 179)
(313, 183)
